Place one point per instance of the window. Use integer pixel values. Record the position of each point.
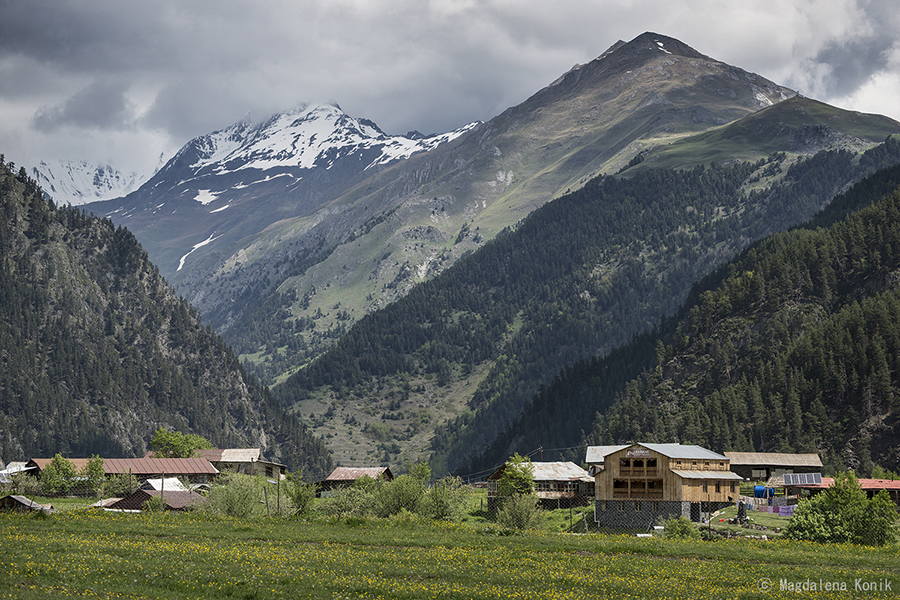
(732, 486)
(651, 463)
(637, 505)
(718, 487)
(625, 463)
(705, 487)
(638, 464)
(621, 505)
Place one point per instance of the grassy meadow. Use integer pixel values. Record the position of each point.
(90, 553)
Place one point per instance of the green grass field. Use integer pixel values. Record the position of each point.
(89, 553)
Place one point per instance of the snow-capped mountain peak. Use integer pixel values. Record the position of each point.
(304, 138)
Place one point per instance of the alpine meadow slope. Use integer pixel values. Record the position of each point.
(98, 351)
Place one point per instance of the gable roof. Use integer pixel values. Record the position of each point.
(689, 451)
(354, 473)
(773, 459)
(596, 455)
(169, 484)
(142, 466)
(552, 471)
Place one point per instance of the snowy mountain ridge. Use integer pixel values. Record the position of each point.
(303, 138)
(79, 182)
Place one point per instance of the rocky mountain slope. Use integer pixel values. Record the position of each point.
(335, 235)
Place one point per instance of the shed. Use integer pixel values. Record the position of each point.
(760, 466)
(22, 504)
(248, 461)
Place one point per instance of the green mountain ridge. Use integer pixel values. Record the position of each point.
(97, 351)
(787, 348)
(446, 369)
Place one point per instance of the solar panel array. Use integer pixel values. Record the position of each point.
(802, 478)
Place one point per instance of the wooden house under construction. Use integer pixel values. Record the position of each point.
(643, 483)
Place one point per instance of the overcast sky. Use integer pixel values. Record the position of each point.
(125, 81)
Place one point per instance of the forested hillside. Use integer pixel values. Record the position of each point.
(575, 279)
(97, 352)
(792, 347)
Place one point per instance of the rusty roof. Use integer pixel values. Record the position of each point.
(773, 459)
(143, 466)
(354, 473)
(869, 485)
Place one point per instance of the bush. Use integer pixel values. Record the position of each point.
(521, 511)
(234, 495)
(404, 492)
(59, 477)
(447, 500)
(22, 483)
(120, 485)
(300, 493)
(354, 501)
(681, 528)
(843, 513)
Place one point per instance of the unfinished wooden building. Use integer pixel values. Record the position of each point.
(643, 483)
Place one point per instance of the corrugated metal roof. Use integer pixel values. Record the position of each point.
(560, 471)
(774, 459)
(552, 471)
(354, 473)
(144, 466)
(719, 475)
(684, 451)
(169, 484)
(596, 455)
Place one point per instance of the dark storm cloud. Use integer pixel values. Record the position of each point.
(101, 105)
(155, 73)
(852, 60)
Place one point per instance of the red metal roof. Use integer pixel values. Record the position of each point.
(865, 484)
(143, 466)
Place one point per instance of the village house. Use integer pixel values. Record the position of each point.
(248, 461)
(643, 483)
(761, 466)
(556, 484)
(345, 476)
